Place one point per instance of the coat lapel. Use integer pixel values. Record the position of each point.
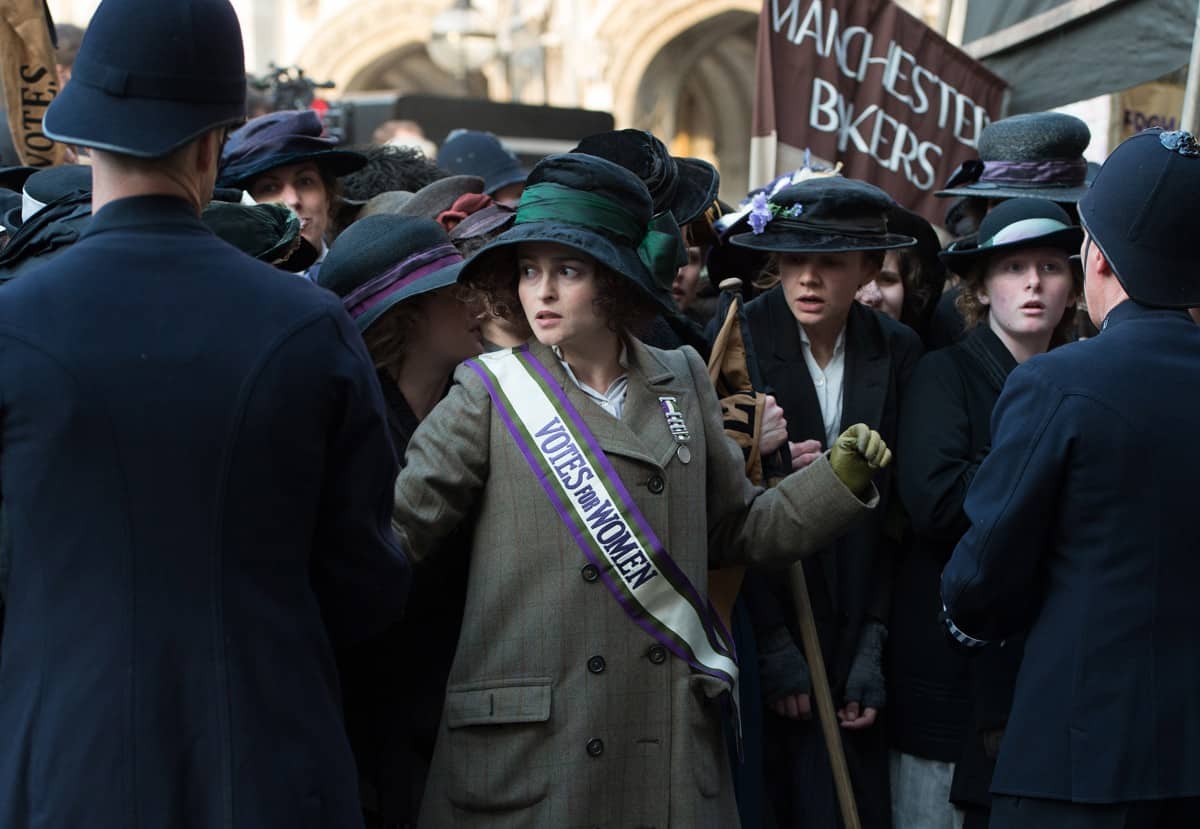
(787, 375)
(868, 364)
(642, 435)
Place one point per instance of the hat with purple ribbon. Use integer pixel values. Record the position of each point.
(382, 260)
(279, 139)
(1036, 155)
(1016, 224)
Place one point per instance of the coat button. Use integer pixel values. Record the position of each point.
(656, 485)
(595, 748)
(597, 664)
(590, 573)
(657, 654)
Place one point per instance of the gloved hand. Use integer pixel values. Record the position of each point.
(783, 673)
(858, 452)
(865, 689)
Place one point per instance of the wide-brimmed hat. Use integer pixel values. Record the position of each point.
(820, 215)
(685, 186)
(474, 153)
(268, 232)
(280, 139)
(47, 186)
(383, 260)
(1141, 213)
(1035, 155)
(1015, 224)
(150, 77)
(596, 207)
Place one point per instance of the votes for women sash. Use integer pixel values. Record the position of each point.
(600, 514)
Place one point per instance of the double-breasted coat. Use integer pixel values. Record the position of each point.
(1083, 533)
(560, 711)
(197, 484)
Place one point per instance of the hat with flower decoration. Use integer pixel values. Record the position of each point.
(827, 214)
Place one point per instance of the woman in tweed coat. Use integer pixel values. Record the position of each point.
(561, 711)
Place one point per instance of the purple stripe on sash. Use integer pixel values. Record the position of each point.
(371, 293)
(1064, 172)
(632, 610)
(668, 563)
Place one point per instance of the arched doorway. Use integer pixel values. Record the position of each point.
(697, 94)
(409, 69)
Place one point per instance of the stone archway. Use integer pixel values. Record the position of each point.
(685, 71)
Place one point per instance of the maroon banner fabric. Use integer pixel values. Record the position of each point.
(867, 84)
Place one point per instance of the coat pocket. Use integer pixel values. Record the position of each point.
(706, 735)
(498, 740)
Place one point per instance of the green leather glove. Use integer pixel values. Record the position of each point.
(858, 452)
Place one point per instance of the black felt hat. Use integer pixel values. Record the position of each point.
(596, 207)
(474, 153)
(685, 186)
(47, 186)
(1141, 213)
(150, 77)
(269, 232)
(385, 259)
(820, 215)
(1015, 224)
(1035, 155)
(279, 139)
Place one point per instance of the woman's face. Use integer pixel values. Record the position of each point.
(451, 330)
(1027, 292)
(301, 188)
(687, 280)
(557, 289)
(820, 287)
(885, 292)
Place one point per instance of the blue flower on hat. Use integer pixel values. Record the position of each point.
(762, 211)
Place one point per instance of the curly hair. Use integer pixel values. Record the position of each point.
(624, 307)
(389, 338)
(390, 168)
(974, 310)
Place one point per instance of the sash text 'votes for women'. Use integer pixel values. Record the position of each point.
(603, 520)
(865, 83)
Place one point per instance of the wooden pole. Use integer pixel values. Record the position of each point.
(823, 698)
(1190, 118)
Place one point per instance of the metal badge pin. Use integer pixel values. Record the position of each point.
(685, 454)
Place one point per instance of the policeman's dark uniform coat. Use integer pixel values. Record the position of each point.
(197, 478)
(1084, 521)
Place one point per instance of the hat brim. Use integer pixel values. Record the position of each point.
(697, 189)
(811, 241)
(337, 163)
(986, 190)
(500, 254)
(441, 278)
(142, 127)
(1068, 240)
(489, 219)
(505, 179)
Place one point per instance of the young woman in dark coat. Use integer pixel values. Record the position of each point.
(397, 278)
(1018, 286)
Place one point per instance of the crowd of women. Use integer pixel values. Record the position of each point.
(567, 485)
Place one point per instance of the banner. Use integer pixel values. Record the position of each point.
(1143, 107)
(867, 84)
(29, 76)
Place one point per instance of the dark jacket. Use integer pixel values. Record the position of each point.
(1084, 532)
(197, 480)
(945, 429)
(848, 582)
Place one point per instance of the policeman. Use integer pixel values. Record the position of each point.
(196, 477)
(1083, 524)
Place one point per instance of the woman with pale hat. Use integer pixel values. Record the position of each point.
(599, 486)
(1018, 292)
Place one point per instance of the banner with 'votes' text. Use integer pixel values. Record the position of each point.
(865, 83)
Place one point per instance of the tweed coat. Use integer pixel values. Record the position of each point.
(560, 712)
(197, 482)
